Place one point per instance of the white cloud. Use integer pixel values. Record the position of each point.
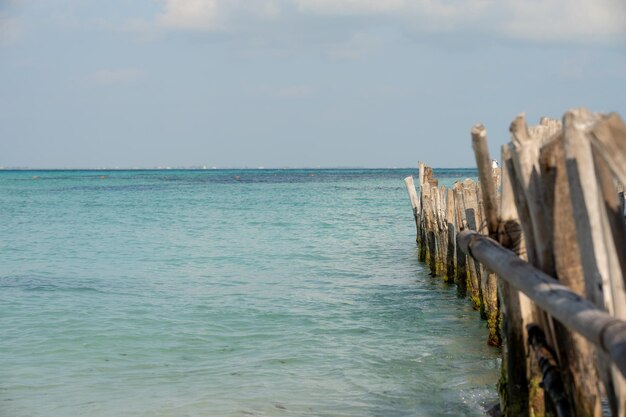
(189, 14)
(110, 77)
(352, 7)
(215, 14)
(559, 20)
(535, 20)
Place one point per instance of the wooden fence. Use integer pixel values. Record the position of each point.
(550, 223)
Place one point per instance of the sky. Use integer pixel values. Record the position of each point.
(294, 83)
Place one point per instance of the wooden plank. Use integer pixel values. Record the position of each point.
(461, 273)
(442, 234)
(470, 204)
(410, 187)
(526, 145)
(606, 332)
(426, 202)
(515, 307)
(576, 355)
(608, 138)
(598, 254)
(485, 174)
(421, 172)
(489, 211)
(451, 235)
(520, 162)
(430, 185)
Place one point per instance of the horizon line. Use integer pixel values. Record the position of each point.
(203, 168)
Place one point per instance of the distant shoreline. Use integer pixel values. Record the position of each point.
(18, 169)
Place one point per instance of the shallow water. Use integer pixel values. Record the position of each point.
(193, 293)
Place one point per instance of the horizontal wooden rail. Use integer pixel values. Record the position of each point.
(576, 313)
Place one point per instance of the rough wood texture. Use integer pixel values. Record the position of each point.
(451, 235)
(410, 187)
(525, 145)
(609, 139)
(576, 354)
(485, 174)
(515, 307)
(606, 332)
(562, 208)
(489, 290)
(461, 272)
(598, 254)
(442, 236)
(470, 204)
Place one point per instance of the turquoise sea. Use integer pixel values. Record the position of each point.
(228, 293)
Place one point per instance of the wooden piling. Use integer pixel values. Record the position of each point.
(576, 354)
(490, 209)
(461, 271)
(410, 187)
(516, 307)
(451, 236)
(470, 205)
(560, 264)
(600, 261)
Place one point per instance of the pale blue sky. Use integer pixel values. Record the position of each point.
(294, 83)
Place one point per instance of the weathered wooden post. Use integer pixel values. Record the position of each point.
(461, 272)
(525, 146)
(430, 221)
(439, 231)
(562, 208)
(485, 175)
(470, 204)
(451, 235)
(490, 208)
(576, 354)
(410, 187)
(598, 252)
(421, 236)
(516, 308)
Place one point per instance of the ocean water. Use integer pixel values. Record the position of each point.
(228, 293)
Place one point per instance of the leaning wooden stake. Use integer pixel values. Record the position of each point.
(525, 145)
(490, 208)
(485, 174)
(609, 139)
(516, 307)
(410, 187)
(600, 260)
(576, 354)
